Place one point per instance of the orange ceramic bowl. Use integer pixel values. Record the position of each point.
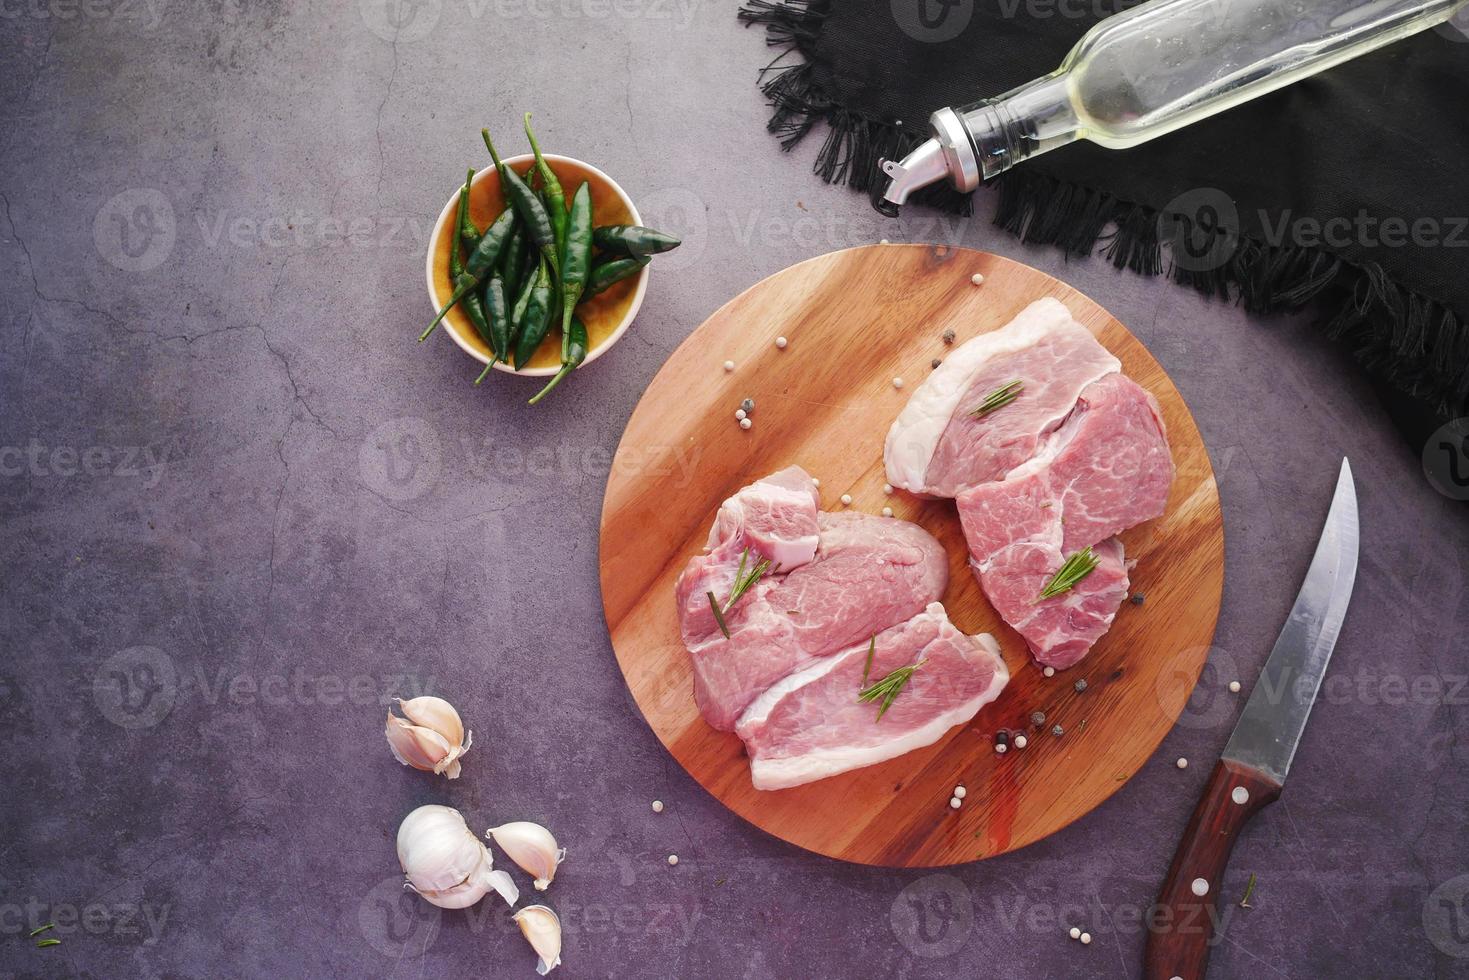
(607, 315)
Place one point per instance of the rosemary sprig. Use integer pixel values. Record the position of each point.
(40, 929)
(887, 689)
(1244, 903)
(718, 616)
(743, 583)
(999, 398)
(43, 943)
(1072, 570)
(867, 667)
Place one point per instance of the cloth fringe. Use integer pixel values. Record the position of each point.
(1416, 344)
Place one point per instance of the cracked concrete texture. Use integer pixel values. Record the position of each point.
(241, 508)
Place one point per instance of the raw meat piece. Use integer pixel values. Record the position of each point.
(811, 725)
(867, 574)
(1104, 470)
(775, 516)
(937, 448)
(1061, 630)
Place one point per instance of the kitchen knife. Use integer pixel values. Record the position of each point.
(1255, 762)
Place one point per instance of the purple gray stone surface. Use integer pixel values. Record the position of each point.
(241, 508)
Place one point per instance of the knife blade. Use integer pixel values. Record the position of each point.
(1255, 762)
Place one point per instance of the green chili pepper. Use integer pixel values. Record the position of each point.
(468, 233)
(522, 300)
(555, 195)
(513, 261)
(576, 260)
(537, 219)
(610, 271)
(633, 240)
(480, 262)
(473, 307)
(537, 321)
(575, 353)
(497, 311)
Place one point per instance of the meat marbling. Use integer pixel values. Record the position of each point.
(865, 574)
(811, 725)
(936, 447)
(1106, 469)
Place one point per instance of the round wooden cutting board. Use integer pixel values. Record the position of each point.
(855, 320)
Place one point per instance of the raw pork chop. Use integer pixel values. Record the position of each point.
(867, 573)
(1059, 631)
(936, 447)
(1107, 468)
(811, 725)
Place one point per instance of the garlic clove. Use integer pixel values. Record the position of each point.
(434, 713)
(542, 929)
(532, 847)
(429, 737)
(445, 862)
(420, 748)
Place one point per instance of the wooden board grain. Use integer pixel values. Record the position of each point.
(855, 319)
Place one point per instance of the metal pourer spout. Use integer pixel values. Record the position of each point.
(949, 154)
(922, 167)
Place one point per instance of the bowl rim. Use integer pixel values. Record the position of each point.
(445, 219)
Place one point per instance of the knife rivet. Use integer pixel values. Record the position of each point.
(1200, 887)
(1240, 795)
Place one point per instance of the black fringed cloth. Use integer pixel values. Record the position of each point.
(1347, 192)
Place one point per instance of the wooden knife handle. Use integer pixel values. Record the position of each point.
(1181, 927)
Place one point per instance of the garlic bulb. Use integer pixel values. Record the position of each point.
(445, 862)
(532, 847)
(430, 736)
(542, 929)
